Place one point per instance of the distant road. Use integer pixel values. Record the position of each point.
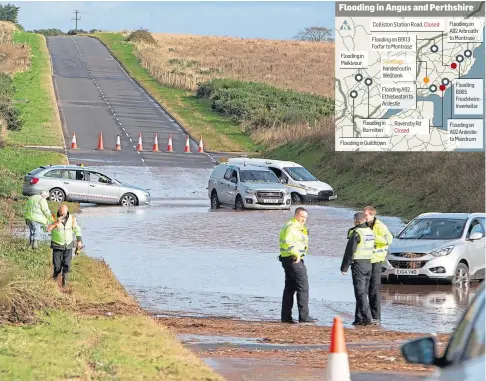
(96, 95)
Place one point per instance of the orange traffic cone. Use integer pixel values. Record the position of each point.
(73, 142)
(100, 142)
(139, 145)
(337, 361)
(187, 148)
(118, 145)
(169, 144)
(201, 146)
(156, 144)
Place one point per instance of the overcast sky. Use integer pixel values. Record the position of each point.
(273, 20)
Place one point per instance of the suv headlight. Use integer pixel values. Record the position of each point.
(285, 191)
(442, 252)
(250, 191)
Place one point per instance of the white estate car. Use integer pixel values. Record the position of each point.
(441, 246)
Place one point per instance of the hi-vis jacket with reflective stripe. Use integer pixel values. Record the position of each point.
(37, 210)
(366, 243)
(62, 237)
(360, 245)
(383, 239)
(293, 239)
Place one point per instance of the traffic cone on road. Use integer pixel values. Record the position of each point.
(100, 142)
(139, 145)
(337, 362)
(74, 145)
(187, 148)
(118, 145)
(169, 144)
(201, 146)
(156, 144)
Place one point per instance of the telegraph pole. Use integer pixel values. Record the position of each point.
(76, 19)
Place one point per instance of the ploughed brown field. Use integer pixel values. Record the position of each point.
(185, 60)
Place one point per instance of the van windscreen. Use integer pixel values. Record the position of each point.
(300, 174)
(258, 176)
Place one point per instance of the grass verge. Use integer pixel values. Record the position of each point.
(35, 98)
(219, 132)
(91, 330)
(400, 183)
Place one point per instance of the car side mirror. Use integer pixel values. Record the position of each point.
(283, 181)
(233, 180)
(420, 351)
(475, 236)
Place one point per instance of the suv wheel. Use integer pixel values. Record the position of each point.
(461, 276)
(239, 203)
(215, 204)
(57, 195)
(296, 198)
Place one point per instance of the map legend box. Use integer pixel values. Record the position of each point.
(409, 75)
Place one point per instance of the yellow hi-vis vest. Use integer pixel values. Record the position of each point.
(294, 239)
(383, 238)
(63, 236)
(366, 243)
(37, 210)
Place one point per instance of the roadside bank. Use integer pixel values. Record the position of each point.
(92, 329)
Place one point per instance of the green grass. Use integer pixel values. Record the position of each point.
(33, 97)
(397, 183)
(219, 132)
(67, 346)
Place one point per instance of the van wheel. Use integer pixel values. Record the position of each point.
(296, 198)
(239, 203)
(461, 276)
(215, 201)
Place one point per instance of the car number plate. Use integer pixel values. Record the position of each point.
(406, 272)
(270, 201)
(333, 197)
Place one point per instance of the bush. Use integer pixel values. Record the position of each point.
(49, 32)
(262, 106)
(8, 113)
(142, 35)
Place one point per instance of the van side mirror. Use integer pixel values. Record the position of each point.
(234, 180)
(475, 236)
(283, 181)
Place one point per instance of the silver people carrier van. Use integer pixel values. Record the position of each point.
(246, 187)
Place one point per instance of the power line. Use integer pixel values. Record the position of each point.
(76, 19)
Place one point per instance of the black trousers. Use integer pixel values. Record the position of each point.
(361, 272)
(61, 260)
(375, 290)
(295, 281)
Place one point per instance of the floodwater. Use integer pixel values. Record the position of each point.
(177, 257)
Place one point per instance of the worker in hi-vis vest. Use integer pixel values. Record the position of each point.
(62, 242)
(383, 239)
(37, 215)
(293, 248)
(359, 250)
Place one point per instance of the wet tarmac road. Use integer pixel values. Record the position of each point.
(96, 95)
(179, 257)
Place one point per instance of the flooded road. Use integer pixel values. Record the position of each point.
(178, 257)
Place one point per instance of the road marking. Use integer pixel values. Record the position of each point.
(143, 161)
(123, 128)
(119, 123)
(116, 118)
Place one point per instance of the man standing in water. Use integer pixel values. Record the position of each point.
(359, 250)
(293, 248)
(383, 238)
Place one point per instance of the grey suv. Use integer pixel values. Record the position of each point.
(76, 183)
(246, 187)
(439, 246)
